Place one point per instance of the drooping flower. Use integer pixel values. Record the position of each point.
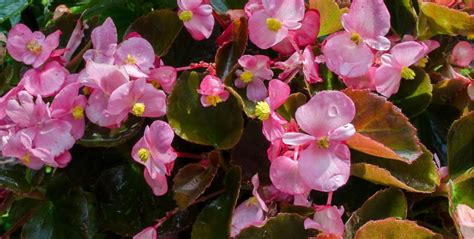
(31, 48)
(46, 81)
(327, 220)
(256, 70)
(158, 184)
(396, 66)
(265, 110)
(104, 41)
(136, 55)
(74, 41)
(465, 219)
(147, 233)
(304, 62)
(324, 165)
(270, 25)
(154, 150)
(462, 54)
(197, 18)
(163, 77)
(212, 91)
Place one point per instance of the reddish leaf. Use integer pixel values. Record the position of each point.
(394, 229)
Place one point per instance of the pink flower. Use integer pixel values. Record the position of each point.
(396, 66)
(256, 70)
(164, 77)
(47, 81)
(366, 81)
(197, 18)
(31, 48)
(286, 177)
(154, 151)
(266, 110)
(465, 219)
(300, 61)
(104, 41)
(158, 185)
(136, 55)
(252, 6)
(147, 233)
(139, 98)
(74, 41)
(270, 25)
(325, 164)
(212, 91)
(327, 220)
(26, 112)
(462, 54)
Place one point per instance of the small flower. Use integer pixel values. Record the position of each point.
(256, 69)
(136, 55)
(327, 220)
(163, 77)
(47, 81)
(212, 91)
(462, 54)
(304, 62)
(197, 18)
(104, 41)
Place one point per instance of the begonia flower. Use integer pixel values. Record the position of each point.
(256, 69)
(46, 81)
(304, 62)
(462, 54)
(163, 77)
(286, 177)
(197, 18)
(104, 41)
(136, 55)
(158, 184)
(212, 91)
(327, 220)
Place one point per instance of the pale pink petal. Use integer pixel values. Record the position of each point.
(135, 51)
(366, 81)
(166, 76)
(246, 214)
(96, 111)
(278, 92)
(189, 4)
(122, 99)
(285, 176)
(387, 80)
(147, 233)
(272, 128)
(285, 10)
(465, 218)
(259, 33)
(470, 91)
(159, 136)
(327, 219)
(256, 183)
(105, 77)
(104, 35)
(256, 90)
(462, 54)
(49, 44)
(55, 137)
(74, 41)
(154, 101)
(45, 82)
(17, 40)
(408, 53)
(380, 43)
(202, 23)
(310, 68)
(342, 133)
(159, 185)
(295, 138)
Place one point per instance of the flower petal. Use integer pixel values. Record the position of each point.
(285, 176)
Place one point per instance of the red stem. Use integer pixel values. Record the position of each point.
(189, 155)
(329, 201)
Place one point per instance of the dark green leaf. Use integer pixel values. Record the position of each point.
(96, 136)
(394, 229)
(288, 109)
(283, 226)
(14, 176)
(460, 145)
(222, 6)
(403, 14)
(228, 55)
(461, 190)
(10, 8)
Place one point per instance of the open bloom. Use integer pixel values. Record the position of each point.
(163, 77)
(270, 25)
(327, 220)
(212, 91)
(104, 41)
(304, 62)
(465, 219)
(47, 81)
(197, 18)
(136, 55)
(31, 48)
(265, 110)
(396, 66)
(256, 70)
(462, 54)
(324, 165)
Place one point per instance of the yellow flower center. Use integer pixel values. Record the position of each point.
(143, 154)
(213, 99)
(34, 47)
(186, 16)
(86, 91)
(26, 159)
(130, 60)
(273, 24)
(138, 109)
(155, 84)
(408, 73)
(78, 112)
(422, 62)
(355, 37)
(323, 143)
(262, 110)
(246, 77)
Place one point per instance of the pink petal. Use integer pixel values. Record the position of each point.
(122, 99)
(154, 101)
(465, 218)
(462, 54)
(105, 77)
(189, 4)
(245, 215)
(138, 49)
(295, 139)
(259, 33)
(96, 111)
(147, 233)
(309, 30)
(408, 53)
(74, 41)
(49, 44)
(63, 159)
(17, 39)
(202, 23)
(159, 137)
(366, 81)
(256, 183)
(325, 112)
(256, 90)
(278, 92)
(104, 35)
(470, 90)
(45, 82)
(272, 128)
(310, 68)
(327, 219)
(166, 76)
(159, 185)
(285, 10)
(387, 80)
(55, 137)
(342, 133)
(285, 176)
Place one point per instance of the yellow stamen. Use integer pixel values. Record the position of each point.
(273, 24)
(355, 37)
(323, 143)
(422, 62)
(262, 110)
(186, 16)
(138, 109)
(155, 84)
(143, 154)
(34, 47)
(246, 77)
(130, 60)
(78, 112)
(26, 159)
(252, 201)
(408, 73)
(213, 99)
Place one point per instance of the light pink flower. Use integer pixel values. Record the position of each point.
(74, 41)
(465, 219)
(256, 70)
(154, 150)
(31, 48)
(270, 25)
(325, 164)
(164, 77)
(304, 62)
(327, 220)
(212, 91)
(462, 54)
(396, 66)
(136, 55)
(104, 41)
(158, 185)
(197, 18)
(252, 6)
(147, 233)
(265, 111)
(286, 177)
(47, 81)
(12, 93)
(26, 112)
(366, 81)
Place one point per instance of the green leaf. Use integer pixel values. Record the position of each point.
(461, 190)
(191, 181)
(436, 19)
(403, 14)
(14, 177)
(214, 220)
(389, 202)
(382, 130)
(414, 96)
(300, 210)
(283, 226)
(330, 16)
(288, 109)
(10, 8)
(222, 6)
(220, 126)
(460, 145)
(160, 28)
(394, 229)
(96, 136)
(419, 176)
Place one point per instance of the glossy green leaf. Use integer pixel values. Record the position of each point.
(436, 19)
(460, 145)
(282, 226)
(160, 28)
(461, 190)
(10, 8)
(394, 229)
(220, 126)
(14, 176)
(419, 176)
(414, 96)
(386, 203)
(288, 109)
(382, 130)
(214, 220)
(404, 16)
(330, 16)
(96, 136)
